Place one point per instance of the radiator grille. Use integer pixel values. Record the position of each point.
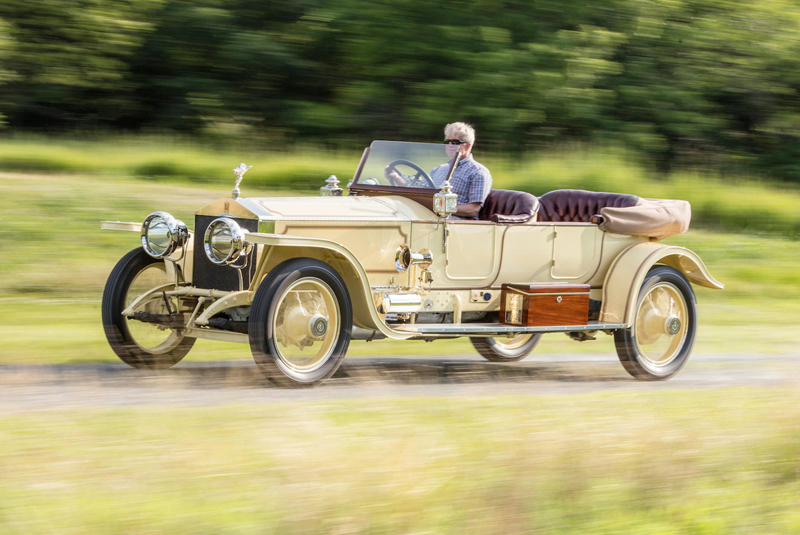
(211, 276)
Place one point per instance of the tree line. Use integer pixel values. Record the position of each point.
(681, 82)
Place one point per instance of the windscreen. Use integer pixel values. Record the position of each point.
(401, 164)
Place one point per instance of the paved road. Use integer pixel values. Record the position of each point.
(41, 387)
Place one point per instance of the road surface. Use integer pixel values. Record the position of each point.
(45, 387)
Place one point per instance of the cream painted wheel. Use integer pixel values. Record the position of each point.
(139, 344)
(661, 326)
(498, 349)
(661, 338)
(306, 324)
(300, 323)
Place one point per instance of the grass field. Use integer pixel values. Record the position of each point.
(648, 461)
(651, 463)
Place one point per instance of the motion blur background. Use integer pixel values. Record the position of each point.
(709, 83)
(112, 109)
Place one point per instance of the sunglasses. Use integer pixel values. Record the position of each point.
(455, 142)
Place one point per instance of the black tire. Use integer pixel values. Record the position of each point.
(277, 324)
(513, 350)
(136, 343)
(661, 338)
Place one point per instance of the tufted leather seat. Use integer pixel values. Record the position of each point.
(508, 206)
(577, 205)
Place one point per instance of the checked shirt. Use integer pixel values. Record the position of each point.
(471, 181)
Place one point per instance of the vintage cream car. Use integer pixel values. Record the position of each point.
(299, 278)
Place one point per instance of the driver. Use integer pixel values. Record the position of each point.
(471, 181)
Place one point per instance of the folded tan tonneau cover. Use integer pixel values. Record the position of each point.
(654, 218)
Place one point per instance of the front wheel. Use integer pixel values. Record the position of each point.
(506, 349)
(136, 343)
(660, 340)
(300, 323)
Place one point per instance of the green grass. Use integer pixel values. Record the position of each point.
(644, 462)
(158, 159)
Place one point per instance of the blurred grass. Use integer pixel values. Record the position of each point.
(54, 260)
(730, 203)
(608, 463)
(159, 159)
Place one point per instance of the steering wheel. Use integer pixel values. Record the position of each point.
(420, 180)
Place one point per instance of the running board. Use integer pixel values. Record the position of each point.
(490, 329)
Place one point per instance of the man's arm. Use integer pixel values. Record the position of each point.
(468, 210)
(394, 177)
(480, 182)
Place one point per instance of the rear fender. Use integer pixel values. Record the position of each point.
(627, 273)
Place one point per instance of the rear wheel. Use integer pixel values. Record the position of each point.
(136, 343)
(300, 323)
(506, 349)
(660, 340)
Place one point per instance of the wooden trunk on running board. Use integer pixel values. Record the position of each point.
(544, 305)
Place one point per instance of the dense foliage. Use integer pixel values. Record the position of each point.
(685, 82)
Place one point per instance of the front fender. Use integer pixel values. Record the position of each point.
(627, 273)
(349, 268)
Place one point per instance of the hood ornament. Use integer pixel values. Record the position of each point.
(239, 172)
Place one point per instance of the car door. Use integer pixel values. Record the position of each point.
(575, 251)
(547, 252)
(472, 252)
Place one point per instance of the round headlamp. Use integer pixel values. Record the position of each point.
(224, 241)
(162, 234)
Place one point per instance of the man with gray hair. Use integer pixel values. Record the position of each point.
(471, 181)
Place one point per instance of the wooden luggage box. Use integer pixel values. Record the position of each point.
(544, 304)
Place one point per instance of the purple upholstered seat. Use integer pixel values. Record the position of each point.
(508, 206)
(577, 205)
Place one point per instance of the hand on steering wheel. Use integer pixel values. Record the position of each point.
(419, 180)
